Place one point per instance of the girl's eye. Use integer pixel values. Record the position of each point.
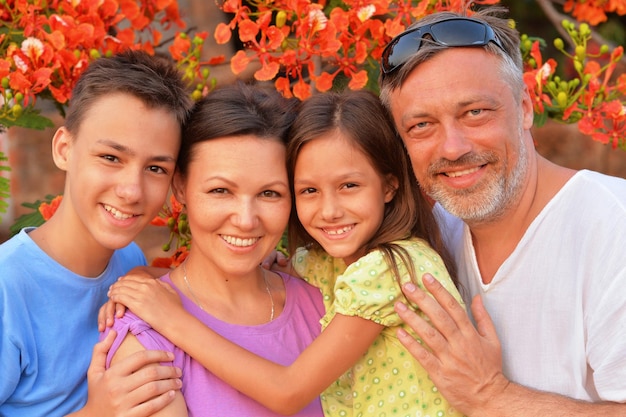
(350, 185)
(309, 190)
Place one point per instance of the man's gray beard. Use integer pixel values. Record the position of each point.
(486, 202)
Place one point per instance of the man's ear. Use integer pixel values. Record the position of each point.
(178, 187)
(527, 108)
(61, 147)
(392, 188)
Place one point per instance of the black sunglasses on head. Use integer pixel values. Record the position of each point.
(456, 31)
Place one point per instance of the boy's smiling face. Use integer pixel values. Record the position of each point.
(119, 166)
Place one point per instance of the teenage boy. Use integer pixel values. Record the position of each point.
(118, 148)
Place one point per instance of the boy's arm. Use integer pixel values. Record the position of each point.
(136, 385)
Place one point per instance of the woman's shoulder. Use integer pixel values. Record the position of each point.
(293, 283)
(131, 324)
(299, 291)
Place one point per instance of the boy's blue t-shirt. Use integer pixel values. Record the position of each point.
(48, 323)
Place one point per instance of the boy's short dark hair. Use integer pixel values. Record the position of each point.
(154, 79)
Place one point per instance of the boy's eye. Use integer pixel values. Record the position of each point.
(309, 190)
(157, 169)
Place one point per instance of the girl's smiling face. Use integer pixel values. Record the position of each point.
(340, 197)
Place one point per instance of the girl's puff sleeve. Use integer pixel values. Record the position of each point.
(317, 267)
(369, 288)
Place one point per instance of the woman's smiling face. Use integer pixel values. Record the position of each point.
(238, 201)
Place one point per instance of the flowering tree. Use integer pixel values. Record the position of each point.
(304, 46)
(45, 46)
(301, 46)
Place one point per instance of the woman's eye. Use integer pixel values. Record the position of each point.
(218, 191)
(270, 194)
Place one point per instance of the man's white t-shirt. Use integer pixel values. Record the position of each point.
(559, 301)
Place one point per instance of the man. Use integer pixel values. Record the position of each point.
(118, 149)
(539, 248)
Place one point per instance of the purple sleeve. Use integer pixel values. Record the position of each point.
(146, 335)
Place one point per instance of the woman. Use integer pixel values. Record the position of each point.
(231, 177)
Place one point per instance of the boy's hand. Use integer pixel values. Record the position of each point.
(139, 386)
(108, 313)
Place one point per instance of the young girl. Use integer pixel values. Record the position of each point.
(363, 228)
(232, 179)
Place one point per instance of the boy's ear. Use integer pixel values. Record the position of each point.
(392, 188)
(61, 143)
(178, 187)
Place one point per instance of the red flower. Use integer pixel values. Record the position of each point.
(48, 209)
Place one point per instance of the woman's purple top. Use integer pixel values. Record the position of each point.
(281, 341)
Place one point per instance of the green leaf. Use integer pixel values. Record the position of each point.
(30, 219)
(26, 220)
(540, 119)
(30, 119)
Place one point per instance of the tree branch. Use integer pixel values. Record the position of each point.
(556, 18)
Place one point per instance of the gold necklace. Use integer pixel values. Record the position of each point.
(195, 299)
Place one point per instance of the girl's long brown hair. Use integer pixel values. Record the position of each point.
(361, 118)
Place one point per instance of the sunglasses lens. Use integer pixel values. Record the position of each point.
(399, 52)
(451, 32)
(459, 33)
